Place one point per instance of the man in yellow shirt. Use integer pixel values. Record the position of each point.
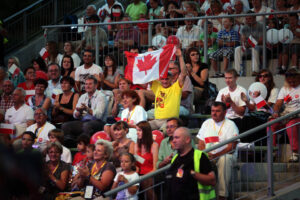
(168, 95)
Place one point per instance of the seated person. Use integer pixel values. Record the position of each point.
(14, 72)
(28, 138)
(214, 131)
(20, 114)
(288, 98)
(40, 68)
(136, 10)
(188, 34)
(28, 85)
(67, 67)
(58, 135)
(54, 87)
(6, 98)
(90, 111)
(231, 96)
(53, 55)
(41, 129)
(154, 11)
(58, 171)
(69, 51)
(170, 8)
(40, 100)
(259, 8)
(82, 143)
(106, 10)
(110, 77)
(211, 40)
(227, 40)
(65, 103)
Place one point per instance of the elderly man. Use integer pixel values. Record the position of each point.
(88, 68)
(54, 87)
(255, 30)
(189, 33)
(91, 110)
(6, 99)
(41, 128)
(20, 114)
(216, 130)
(90, 10)
(190, 175)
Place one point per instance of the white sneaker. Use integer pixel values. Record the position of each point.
(294, 157)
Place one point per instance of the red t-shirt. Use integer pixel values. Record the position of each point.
(79, 156)
(29, 91)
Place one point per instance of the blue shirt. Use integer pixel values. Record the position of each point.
(230, 36)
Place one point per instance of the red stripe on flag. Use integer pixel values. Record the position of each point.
(129, 67)
(7, 131)
(211, 139)
(261, 104)
(164, 60)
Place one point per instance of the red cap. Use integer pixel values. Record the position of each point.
(172, 39)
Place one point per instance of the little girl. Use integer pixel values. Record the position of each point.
(127, 174)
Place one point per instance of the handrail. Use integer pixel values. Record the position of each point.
(167, 20)
(242, 135)
(22, 11)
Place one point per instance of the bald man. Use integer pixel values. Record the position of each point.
(187, 178)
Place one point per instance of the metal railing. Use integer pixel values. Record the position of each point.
(270, 171)
(26, 24)
(146, 35)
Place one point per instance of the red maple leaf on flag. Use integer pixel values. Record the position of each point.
(147, 64)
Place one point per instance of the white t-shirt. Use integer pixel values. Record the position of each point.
(291, 97)
(66, 155)
(20, 116)
(81, 73)
(236, 98)
(41, 134)
(213, 133)
(124, 194)
(137, 115)
(272, 99)
(263, 9)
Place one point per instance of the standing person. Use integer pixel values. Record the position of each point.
(54, 87)
(128, 174)
(88, 68)
(136, 10)
(28, 85)
(289, 99)
(216, 130)
(107, 9)
(231, 96)
(58, 171)
(146, 153)
(67, 67)
(190, 175)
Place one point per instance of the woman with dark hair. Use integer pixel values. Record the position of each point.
(170, 9)
(54, 55)
(198, 73)
(109, 78)
(146, 151)
(57, 171)
(40, 68)
(40, 100)
(67, 67)
(65, 103)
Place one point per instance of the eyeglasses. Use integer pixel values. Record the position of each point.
(194, 54)
(263, 76)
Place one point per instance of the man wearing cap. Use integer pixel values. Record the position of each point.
(168, 95)
(189, 33)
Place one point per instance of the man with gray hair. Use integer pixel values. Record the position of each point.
(6, 99)
(190, 175)
(41, 128)
(90, 10)
(20, 114)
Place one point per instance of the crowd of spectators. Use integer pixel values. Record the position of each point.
(62, 100)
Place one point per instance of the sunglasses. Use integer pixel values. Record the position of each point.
(263, 76)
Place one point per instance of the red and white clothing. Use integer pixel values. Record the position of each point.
(30, 91)
(108, 10)
(137, 115)
(263, 9)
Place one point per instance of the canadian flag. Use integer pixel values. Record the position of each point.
(7, 128)
(260, 102)
(252, 41)
(149, 66)
(44, 53)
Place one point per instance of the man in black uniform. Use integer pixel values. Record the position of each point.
(190, 175)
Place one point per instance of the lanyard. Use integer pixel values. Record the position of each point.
(219, 132)
(128, 119)
(55, 168)
(38, 134)
(95, 169)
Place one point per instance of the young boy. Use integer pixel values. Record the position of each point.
(82, 142)
(58, 135)
(211, 40)
(227, 40)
